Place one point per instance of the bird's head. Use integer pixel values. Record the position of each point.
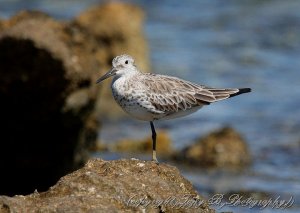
(121, 65)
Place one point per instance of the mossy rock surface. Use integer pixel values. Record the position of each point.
(114, 186)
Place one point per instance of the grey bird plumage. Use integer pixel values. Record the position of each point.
(150, 97)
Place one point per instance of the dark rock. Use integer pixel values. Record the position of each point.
(45, 130)
(48, 95)
(114, 186)
(222, 148)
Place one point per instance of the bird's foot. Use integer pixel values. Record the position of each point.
(155, 161)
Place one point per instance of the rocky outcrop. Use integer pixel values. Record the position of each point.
(48, 91)
(114, 186)
(222, 148)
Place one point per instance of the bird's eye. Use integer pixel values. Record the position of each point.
(126, 62)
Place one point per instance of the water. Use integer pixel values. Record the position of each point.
(223, 44)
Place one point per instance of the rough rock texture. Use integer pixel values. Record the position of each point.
(114, 186)
(222, 148)
(48, 93)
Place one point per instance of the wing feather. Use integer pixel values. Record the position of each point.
(171, 94)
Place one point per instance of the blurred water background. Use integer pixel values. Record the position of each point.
(235, 43)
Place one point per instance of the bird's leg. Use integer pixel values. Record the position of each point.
(153, 143)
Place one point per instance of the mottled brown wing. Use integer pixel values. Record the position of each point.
(170, 94)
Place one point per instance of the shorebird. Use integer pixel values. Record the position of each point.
(151, 97)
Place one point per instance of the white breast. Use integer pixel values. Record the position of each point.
(132, 102)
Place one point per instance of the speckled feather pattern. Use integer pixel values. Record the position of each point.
(149, 97)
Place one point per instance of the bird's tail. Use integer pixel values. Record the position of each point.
(241, 91)
(221, 94)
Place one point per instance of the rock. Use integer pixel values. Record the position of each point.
(118, 28)
(222, 148)
(46, 132)
(164, 145)
(49, 95)
(114, 186)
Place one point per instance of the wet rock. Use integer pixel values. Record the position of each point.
(114, 186)
(164, 145)
(49, 96)
(222, 148)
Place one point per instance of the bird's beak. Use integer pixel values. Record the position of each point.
(110, 73)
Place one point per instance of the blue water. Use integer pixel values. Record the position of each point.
(232, 43)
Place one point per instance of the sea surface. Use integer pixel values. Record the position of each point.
(234, 43)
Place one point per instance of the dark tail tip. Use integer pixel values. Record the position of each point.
(244, 90)
(241, 91)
